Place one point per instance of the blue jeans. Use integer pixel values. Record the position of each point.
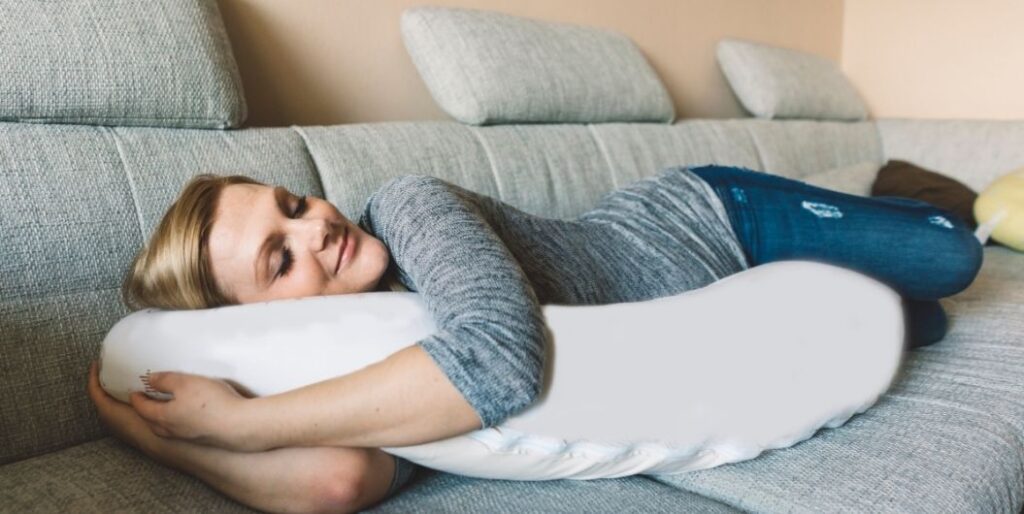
(922, 251)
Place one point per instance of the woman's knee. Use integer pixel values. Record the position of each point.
(970, 255)
(958, 256)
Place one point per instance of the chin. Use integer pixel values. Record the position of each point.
(377, 260)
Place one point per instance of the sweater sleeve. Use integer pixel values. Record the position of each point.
(491, 338)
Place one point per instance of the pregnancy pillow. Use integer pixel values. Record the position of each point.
(758, 360)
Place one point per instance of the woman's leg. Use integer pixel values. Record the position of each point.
(922, 251)
(314, 479)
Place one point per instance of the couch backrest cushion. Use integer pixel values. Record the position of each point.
(161, 63)
(773, 82)
(562, 170)
(799, 148)
(76, 203)
(488, 68)
(975, 152)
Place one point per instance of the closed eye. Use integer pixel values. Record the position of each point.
(286, 262)
(286, 253)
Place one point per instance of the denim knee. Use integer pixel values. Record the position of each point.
(959, 260)
(969, 256)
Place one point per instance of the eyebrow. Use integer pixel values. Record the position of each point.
(261, 265)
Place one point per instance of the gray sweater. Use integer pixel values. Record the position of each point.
(484, 268)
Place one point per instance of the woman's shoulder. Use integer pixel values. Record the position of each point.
(420, 198)
(423, 190)
(407, 197)
(405, 187)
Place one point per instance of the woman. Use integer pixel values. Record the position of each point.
(483, 269)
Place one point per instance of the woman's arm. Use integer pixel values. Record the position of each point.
(404, 399)
(298, 479)
(484, 363)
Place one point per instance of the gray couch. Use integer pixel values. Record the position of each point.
(76, 202)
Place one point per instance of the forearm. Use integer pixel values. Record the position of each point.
(286, 479)
(403, 400)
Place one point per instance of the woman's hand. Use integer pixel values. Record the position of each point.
(121, 418)
(203, 410)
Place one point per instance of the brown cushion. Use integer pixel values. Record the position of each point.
(904, 179)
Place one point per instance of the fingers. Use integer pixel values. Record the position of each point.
(149, 409)
(165, 381)
(118, 416)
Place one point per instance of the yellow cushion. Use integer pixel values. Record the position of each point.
(1004, 199)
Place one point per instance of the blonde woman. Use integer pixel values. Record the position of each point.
(483, 269)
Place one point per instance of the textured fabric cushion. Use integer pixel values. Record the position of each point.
(162, 63)
(631, 151)
(76, 203)
(908, 180)
(801, 147)
(487, 68)
(975, 152)
(561, 171)
(774, 82)
(106, 476)
(855, 179)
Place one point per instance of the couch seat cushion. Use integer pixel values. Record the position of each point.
(108, 476)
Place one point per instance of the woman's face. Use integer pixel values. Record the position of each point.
(268, 244)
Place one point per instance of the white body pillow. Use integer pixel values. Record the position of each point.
(758, 360)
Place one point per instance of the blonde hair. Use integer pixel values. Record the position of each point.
(172, 271)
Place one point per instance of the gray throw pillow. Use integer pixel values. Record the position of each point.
(488, 68)
(160, 63)
(774, 82)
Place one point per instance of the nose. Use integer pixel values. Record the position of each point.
(318, 232)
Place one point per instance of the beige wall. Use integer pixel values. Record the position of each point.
(342, 61)
(936, 58)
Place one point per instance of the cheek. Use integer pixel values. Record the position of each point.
(306, 279)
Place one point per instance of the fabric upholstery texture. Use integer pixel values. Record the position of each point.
(484, 67)
(105, 475)
(161, 63)
(560, 170)
(77, 202)
(108, 476)
(773, 82)
(800, 147)
(853, 180)
(975, 152)
(157, 168)
(68, 225)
